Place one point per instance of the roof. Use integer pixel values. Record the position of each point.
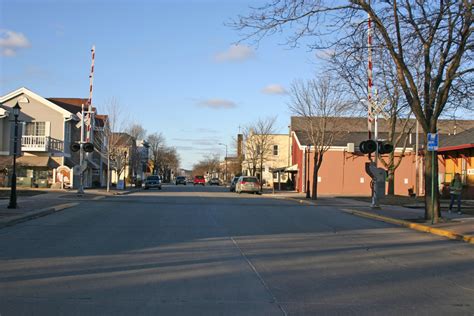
(100, 120)
(459, 141)
(39, 98)
(72, 105)
(359, 124)
(341, 138)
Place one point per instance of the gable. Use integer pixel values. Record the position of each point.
(8, 98)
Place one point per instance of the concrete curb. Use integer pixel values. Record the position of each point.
(414, 226)
(399, 222)
(35, 214)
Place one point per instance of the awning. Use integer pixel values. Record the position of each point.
(293, 168)
(33, 161)
(276, 170)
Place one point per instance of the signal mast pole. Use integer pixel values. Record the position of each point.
(86, 123)
(372, 112)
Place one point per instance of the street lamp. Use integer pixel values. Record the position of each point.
(16, 112)
(225, 175)
(124, 170)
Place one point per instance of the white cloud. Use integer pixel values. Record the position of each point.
(217, 104)
(235, 53)
(8, 52)
(11, 41)
(274, 89)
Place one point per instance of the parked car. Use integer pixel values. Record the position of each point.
(199, 180)
(153, 182)
(180, 180)
(233, 183)
(247, 184)
(215, 181)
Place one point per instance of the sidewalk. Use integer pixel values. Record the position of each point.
(453, 226)
(29, 207)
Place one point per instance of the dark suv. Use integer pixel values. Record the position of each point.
(180, 180)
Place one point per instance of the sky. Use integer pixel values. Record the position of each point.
(174, 67)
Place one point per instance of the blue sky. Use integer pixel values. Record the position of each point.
(173, 66)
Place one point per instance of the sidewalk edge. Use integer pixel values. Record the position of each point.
(399, 222)
(34, 214)
(414, 226)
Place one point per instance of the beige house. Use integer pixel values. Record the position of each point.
(276, 155)
(47, 128)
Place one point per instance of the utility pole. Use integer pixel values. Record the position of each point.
(225, 175)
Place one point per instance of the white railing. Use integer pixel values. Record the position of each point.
(34, 143)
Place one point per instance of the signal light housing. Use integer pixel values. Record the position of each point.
(75, 147)
(368, 146)
(384, 148)
(88, 147)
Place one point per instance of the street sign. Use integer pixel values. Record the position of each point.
(433, 141)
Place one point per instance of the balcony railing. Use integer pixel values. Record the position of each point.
(35, 143)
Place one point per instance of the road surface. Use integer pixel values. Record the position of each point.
(204, 251)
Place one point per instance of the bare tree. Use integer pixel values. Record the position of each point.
(209, 165)
(438, 32)
(137, 132)
(156, 142)
(320, 104)
(109, 146)
(169, 162)
(258, 138)
(348, 61)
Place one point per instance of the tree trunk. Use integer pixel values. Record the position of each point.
(314, 193)
(391, 182)
(316, 164)
(432, 209)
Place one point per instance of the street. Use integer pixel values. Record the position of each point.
(205, 251)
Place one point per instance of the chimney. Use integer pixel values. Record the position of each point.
(240, 139)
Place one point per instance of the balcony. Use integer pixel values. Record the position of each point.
(35, 143)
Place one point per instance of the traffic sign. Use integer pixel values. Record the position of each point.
(433, 141)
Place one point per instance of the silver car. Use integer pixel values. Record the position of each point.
(247, 184)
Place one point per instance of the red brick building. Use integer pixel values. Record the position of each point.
(343, 168)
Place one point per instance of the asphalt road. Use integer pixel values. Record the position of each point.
(204, 251)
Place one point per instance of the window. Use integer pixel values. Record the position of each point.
(67, 133)
(35, 129)
(275, 150)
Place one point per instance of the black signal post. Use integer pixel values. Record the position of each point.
(16, 113)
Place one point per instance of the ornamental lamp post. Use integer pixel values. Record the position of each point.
(16, 112)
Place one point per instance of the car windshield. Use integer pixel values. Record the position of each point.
(153, 178)
(199, 177)
(180, 178)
